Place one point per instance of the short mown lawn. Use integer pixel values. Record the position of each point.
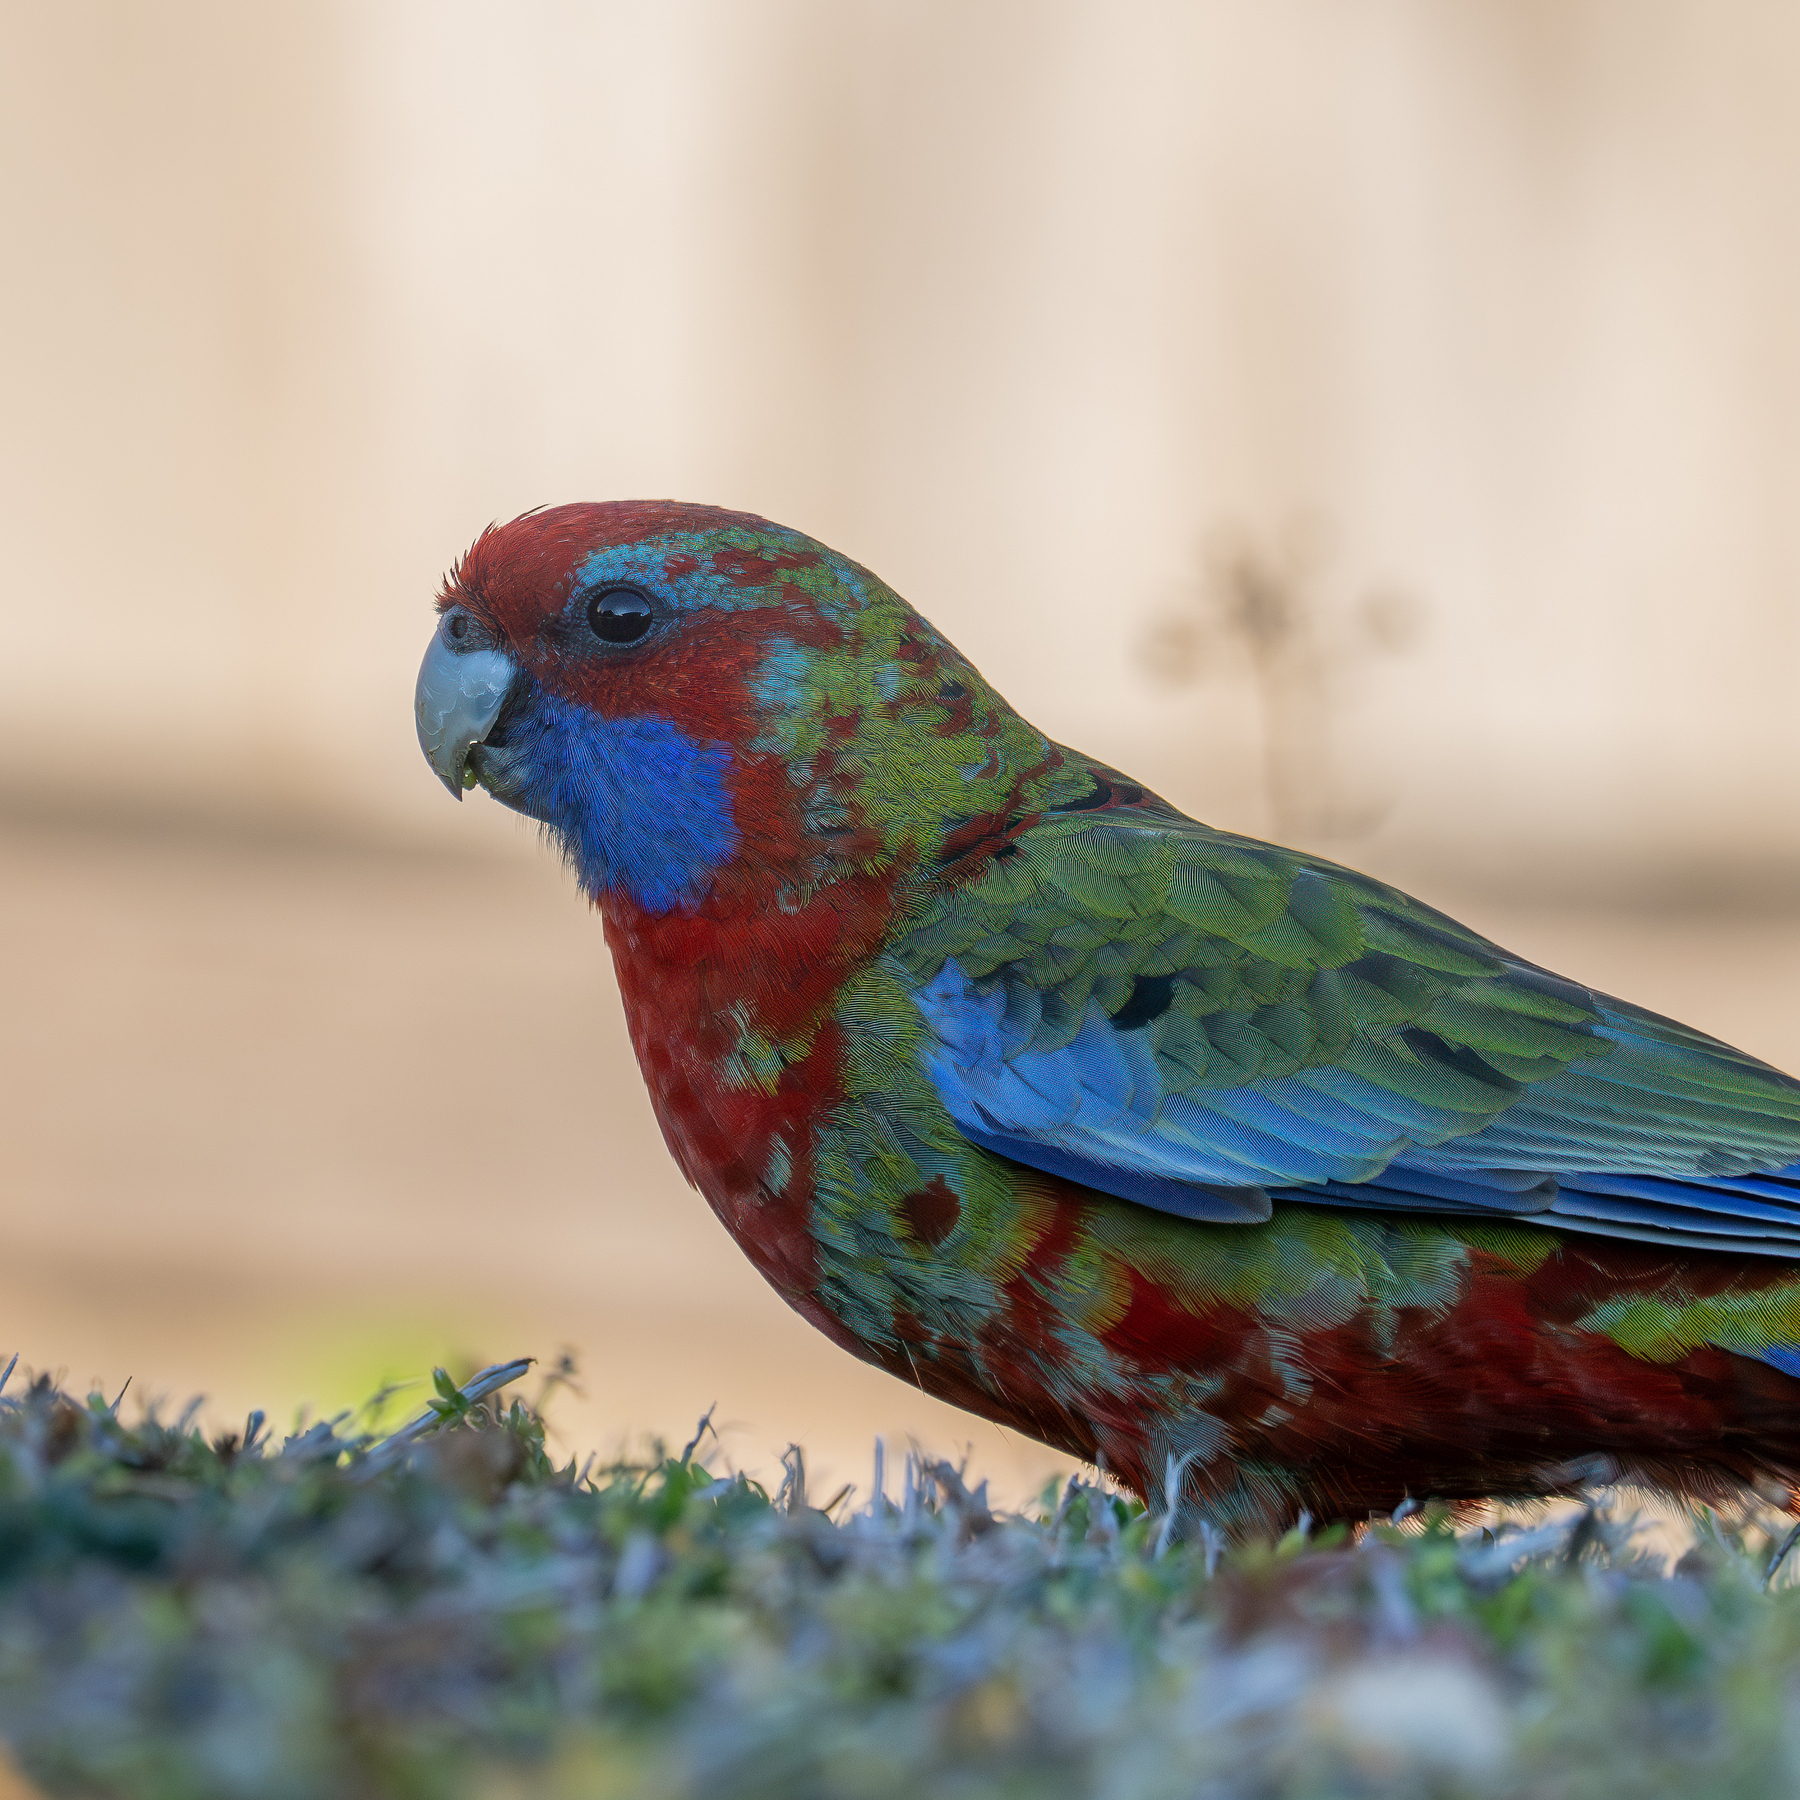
(446, 1612)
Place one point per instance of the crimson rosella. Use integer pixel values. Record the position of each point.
(1159, 1144)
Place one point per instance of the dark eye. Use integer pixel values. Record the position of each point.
(619, 615)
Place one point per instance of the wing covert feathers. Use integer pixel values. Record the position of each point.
(1174, 1014)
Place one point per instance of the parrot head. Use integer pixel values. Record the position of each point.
(686, 698)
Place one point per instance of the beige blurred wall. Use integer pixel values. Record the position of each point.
(1014, 302)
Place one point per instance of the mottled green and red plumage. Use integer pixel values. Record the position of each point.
(1158, 1144)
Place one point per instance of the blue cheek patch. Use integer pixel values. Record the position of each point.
(635, 804)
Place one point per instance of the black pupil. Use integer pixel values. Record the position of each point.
(619, 616)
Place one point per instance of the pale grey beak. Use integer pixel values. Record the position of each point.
(458, 698)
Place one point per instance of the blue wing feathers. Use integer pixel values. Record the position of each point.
(1574, 1203)
(1652, 1190)
(1275, 1116)
(1416, 1120)
(1661, 1135)
(1222, 1202)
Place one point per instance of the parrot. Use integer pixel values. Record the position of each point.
(1268, 1188)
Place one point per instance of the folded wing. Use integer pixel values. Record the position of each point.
(1203, 1023)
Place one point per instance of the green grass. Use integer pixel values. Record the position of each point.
(450, 1614)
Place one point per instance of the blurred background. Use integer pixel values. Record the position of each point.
(1374, 423)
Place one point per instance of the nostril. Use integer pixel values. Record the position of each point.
(456, 627)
